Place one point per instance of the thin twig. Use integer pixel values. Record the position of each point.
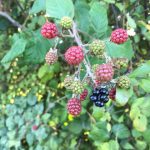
(14, 22)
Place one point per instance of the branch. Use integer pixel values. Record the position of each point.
(78, 41)
(14, 22)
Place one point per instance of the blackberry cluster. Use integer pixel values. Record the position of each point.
(100, 96)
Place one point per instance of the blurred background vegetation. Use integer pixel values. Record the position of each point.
(32, 94)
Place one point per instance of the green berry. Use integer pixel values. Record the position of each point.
(66, 23)
(123, 82)
(97, 48)
(121, 63)
(94, 67)
(68, 82)
(77, 87)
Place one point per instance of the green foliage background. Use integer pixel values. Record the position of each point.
(32, 93)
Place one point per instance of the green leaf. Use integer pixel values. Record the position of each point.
(134, 112)
(17, 49)
(10, 123)
(82, 9)
(126, 145)
(141, 145)
(38, 6)
(145, 84)
(45, 117)
(59, 8)
(119, 50)
(110, 1)
(37, 48)
(131, 21)
(98, 113)
(143, 105)
(141, 71)
(75, 127)
(99, 132)
(121, 131)
(123, 95)
(146, 135)
(30, 138)
(98, 16)
(31, 99)
(140, 123)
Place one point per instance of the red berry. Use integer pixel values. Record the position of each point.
(74, 55)
(51, 57)
(49, 30)
(74, 106)
(104, 72)
(34, 127)
(119, 36)
(112, 94)
(83, 95)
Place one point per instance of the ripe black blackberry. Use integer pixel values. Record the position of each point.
(100, 96)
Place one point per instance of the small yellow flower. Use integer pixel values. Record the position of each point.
(11, 87)
(62, 84)
(39, 97)
(51, 123)
(65, 123)
(86, 133)
(126, 110)
(3, 106)
(86, 139)
(14, 64)
(15, 77)
(12, 101)
(59, 86)
(53, 94)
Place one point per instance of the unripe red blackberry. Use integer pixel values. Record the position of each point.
(77, 87)
(97, 48)
(34, 127)
(83, 95)
(49, 30)
(74, 55)
(104, 72)
(123, 82)
(68, 82)
(121, 63)
(66, 22)
(74, 107)
(112, 94)
(51, 57)
(119, 36)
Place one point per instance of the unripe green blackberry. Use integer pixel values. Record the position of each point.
(123, 82)
(68, 82)
(121, 63)
(66, 22)
(94, 67)
(97, 48)
(77, 87)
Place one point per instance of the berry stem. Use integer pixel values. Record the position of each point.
(79, 42)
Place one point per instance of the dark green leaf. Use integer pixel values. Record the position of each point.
(119, 50)
(121, 131)
(59, 8)
(98, 16)
(38, 6)
(17, 49)
(141, 71)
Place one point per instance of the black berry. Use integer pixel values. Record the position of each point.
(96, 92)
(93, 98)
(99, 104)
(106, 100)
